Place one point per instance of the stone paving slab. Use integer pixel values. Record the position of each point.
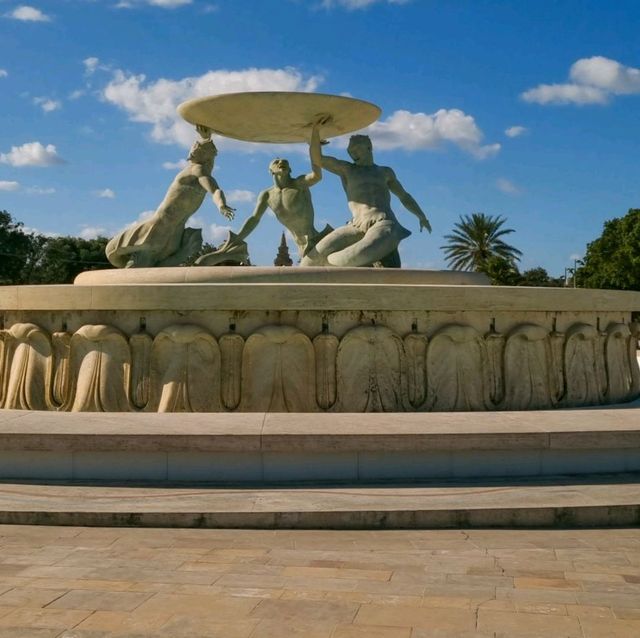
(557, 501)
(79, 582)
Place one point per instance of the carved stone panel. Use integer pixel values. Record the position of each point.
(370, 367)
(100, 367)
(457, 376)
(184, 371)
(528, 369)
(28, 366)
(618, 363)
(278, 371)
(584, 366)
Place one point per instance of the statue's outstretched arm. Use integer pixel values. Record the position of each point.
(407, 200)
(258, 212)
(315, 157)
(211, 186)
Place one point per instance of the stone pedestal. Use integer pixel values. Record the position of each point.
(312, 340)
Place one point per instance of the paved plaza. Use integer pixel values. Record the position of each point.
(75, 582)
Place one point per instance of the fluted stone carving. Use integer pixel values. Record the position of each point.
(61, 342)
(281, 368)
(140, 344)
(100, 369)
(278, 371)
(231, 347)
(634, 343)
(415, 347)
(325, 346)
(28, 368)
(370, 363)
(4, 360)
(457, 377)
(528, 369)
(557, 374)
(184, 371)
(495, 343)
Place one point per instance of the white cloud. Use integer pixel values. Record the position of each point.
(507, 186)
(172, 166)
(91, 232)
(593, 81)
(155, 102)
(28, 14)
(105, 193)
(415, 131)
(32, 154)
(215, 234)
(565, 94)
(3, 73)
(358, 4)
(606, 74)
(47, 104)
(240, 196)
(9, 186)
(78, 93)
(90, 65)
(164, 4)
(515, 131)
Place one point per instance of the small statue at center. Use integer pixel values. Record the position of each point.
(163, 240)
(373, 235)
(290, 199)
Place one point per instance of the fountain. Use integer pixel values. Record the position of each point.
(319, 342)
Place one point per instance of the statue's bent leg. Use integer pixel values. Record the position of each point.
(190, 244)
(378, 242)
(333, 242)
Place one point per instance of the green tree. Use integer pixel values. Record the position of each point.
(613, 260)
(540, 277)
(477, 238)
(501, 271)
(63, 258)
(18, 251)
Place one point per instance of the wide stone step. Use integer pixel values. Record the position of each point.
(355, 448)
(604, 500)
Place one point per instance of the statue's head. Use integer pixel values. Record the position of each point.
(202, 151)
(279, 166)
(360, 149)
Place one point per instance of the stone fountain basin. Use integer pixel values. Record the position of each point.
(245, 339)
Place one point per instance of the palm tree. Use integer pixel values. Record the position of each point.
(476, 239)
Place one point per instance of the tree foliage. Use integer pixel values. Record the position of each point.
(31, 258)
(504, 272)
(475, 240)
(613, 259)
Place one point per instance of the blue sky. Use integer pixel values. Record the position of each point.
(529, 110)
